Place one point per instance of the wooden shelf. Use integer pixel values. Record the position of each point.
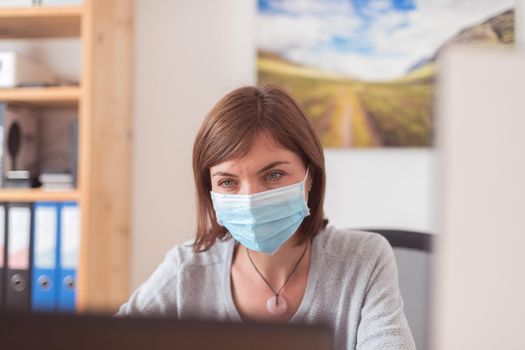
(40, 22)
(42, 96)
(36, 195)
(104, 101)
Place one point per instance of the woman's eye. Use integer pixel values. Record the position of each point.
(274, 176)
(226, 183)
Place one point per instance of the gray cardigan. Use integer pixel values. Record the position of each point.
(352, 286)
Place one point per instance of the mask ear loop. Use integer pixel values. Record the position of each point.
(304, 181)
(306, 177)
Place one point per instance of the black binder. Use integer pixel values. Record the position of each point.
(3, 254)
(18, 262)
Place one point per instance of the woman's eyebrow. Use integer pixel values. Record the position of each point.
(222, 173)
(271, 165)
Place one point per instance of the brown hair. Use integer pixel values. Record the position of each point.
(228, 133)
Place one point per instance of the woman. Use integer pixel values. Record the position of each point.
(263, 249)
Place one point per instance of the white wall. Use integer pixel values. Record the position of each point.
(381, 188)
(188, 54)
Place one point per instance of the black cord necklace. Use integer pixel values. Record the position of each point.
(277, 304)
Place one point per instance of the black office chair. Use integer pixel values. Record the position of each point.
(406, 239)
(413, 252)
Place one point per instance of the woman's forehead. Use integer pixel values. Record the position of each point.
(263, 151)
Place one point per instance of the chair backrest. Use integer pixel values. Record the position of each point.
(413, 252)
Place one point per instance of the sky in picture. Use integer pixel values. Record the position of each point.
(365, 39)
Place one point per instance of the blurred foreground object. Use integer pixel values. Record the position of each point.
(480, 277)
(63, 332)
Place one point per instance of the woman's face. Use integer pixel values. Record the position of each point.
(266, 166)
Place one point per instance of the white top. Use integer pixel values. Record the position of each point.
(352, 287)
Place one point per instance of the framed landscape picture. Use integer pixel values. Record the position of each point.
(364, 71)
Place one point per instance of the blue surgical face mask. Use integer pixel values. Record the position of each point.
(262, 221)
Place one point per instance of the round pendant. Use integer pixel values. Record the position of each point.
(276, 305)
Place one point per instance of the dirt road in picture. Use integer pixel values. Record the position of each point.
(352, 121)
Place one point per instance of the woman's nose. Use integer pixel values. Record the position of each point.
(251, 187)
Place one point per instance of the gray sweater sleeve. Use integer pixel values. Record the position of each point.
(383, 324)
(156, 296)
